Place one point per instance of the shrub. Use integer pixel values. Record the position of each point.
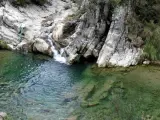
(3, 45)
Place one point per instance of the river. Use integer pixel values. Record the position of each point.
(35, 87)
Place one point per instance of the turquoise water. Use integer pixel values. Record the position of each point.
(35, 87)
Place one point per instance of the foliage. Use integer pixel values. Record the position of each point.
(146, 24)
(114, 3)
(151, 48)
(3, 45)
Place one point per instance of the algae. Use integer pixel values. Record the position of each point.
(134, 95)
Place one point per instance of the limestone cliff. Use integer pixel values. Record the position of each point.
(100, 33)
(92, 29)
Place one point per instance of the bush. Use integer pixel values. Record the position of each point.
(145, 23)
(151, 48)
(3, 45)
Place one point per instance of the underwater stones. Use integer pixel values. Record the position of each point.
(89, 103)
(72, 118)
(91, 94)
(70, 97)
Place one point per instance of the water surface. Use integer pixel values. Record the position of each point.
(35, 87)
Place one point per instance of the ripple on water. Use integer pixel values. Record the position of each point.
(38, 88)
(35, 86)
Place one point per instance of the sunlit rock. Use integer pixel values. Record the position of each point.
(3, 115)
(117, 51)
(42, 47)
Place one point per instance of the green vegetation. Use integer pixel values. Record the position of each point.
(146, 25)
(119, 94)
(151, 48)
(3, 45)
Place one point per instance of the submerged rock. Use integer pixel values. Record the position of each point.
(72, 118)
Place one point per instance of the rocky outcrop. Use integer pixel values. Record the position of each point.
(92, 31)
(117, 50)
(20, 27)
(86, 33)
(94, 34)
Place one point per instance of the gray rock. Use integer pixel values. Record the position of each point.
(3, 115)
(117, 51)
(41, 46)
(87, 33)
(19, 24)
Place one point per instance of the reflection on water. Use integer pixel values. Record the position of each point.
(34, 87)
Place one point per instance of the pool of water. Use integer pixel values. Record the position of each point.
(35, 87)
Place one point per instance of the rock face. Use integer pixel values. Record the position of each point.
(94, 36)
(87, 28)
(92, 31)
(117, 50)
(20, 27)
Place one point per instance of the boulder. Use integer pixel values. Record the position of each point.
(41, 46)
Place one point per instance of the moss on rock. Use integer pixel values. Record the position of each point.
(3, 45)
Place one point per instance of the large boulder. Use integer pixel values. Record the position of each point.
(40, 46)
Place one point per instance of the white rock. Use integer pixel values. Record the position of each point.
(117, 51)
(3, 115)
(41, 46)
(147, 62)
